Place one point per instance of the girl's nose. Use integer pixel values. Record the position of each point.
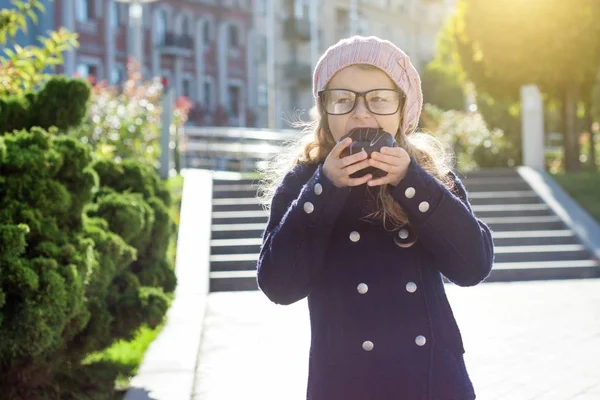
(360, 108)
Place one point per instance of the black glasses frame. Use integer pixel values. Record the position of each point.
(322, 93)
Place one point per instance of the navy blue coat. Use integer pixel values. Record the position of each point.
(381, 324)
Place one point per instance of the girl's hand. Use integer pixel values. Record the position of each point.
(338, 170)
(394, 161)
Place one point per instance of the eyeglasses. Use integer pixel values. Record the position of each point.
(378, 101)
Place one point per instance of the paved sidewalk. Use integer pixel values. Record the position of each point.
(524, 341)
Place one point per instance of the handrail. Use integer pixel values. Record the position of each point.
(236, 149)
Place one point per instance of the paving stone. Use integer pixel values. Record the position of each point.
(523, 341)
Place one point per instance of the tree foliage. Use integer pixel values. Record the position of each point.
(551, 43)
(25, 69)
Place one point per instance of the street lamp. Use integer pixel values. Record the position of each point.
(137, 31)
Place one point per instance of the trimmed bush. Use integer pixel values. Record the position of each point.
(82, 264)
(61, 103)
(136, 204)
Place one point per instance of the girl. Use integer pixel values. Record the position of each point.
(369, 252)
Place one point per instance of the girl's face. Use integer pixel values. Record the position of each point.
(360, 78)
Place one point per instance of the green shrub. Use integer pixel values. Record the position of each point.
(45, 274)
(136, 202)
(83, 264)
(61, 103)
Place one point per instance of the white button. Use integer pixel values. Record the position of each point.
(318, 189)
(410, 192)
(424, 207)
(362, 288)
(368, 345)
(411, 287)
(403, 233)
(354, 236)
(308, 207)
(420, 340)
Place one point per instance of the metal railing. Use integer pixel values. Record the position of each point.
(230, 149)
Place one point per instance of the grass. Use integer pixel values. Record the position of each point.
(124, 357)
(584, 187)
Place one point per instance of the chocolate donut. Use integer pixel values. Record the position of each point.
(370, 139)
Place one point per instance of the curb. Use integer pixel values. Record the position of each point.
(168, 368)
(573, 215)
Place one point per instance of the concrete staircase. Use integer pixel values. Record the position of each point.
(532, 243)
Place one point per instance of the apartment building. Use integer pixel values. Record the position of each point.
(203, 47)
(411, 24)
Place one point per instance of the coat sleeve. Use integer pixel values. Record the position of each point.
(303, 211)
(461, 244)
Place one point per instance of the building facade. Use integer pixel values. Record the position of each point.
(215, 52)
(204, 48)
(413, 25)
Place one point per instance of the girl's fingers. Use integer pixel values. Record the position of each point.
(349, 170)
(360, 181)
(354, 158)
(379, 181)
(340, 146)
(383, 166)
(389, 159)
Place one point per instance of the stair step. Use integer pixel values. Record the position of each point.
(233, 186)
(235, 201)
(544, 270)
(235, 246)
(497, 180)
(500, 184)
(503, 194)
(541, 253)
(233, 281)
(237, 231)
(484, 212)
(490, 173)
(503, 254)
(239, 217)
(502, 272)
(230, 193)
(226, 182)
(503, 224)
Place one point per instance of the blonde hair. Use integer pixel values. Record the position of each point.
(316, 142)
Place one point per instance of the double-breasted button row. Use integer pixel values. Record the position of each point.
(419, 340)
(410, 192)
(308, 206)
(363, 288)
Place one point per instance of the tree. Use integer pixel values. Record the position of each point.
(25, 69)
(551, 43)
(443, 80)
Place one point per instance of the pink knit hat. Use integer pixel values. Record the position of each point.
(382, 54)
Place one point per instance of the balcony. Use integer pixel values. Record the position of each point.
(299, 72)
(297, 29)
(177, 45)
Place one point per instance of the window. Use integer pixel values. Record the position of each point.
(89, 71)
(84, 10)
(206, 32)
(161, 26)
(234, 100)
(185, 26)
(117, 75)
(208, 95)
(234, 37)
(186, 88)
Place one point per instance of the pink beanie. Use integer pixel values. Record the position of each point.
(382, 54)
